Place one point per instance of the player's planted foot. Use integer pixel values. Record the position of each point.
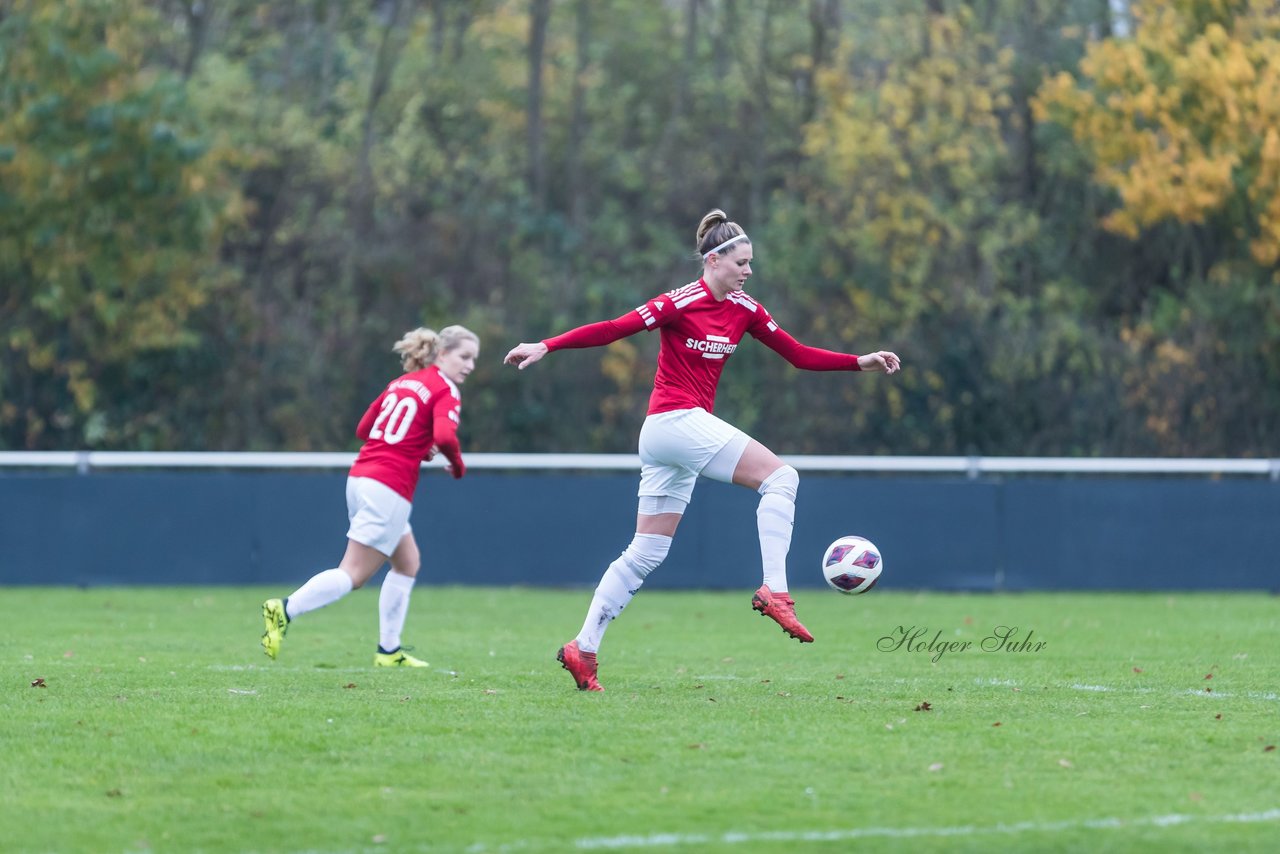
(277, 624)
(398, 658)
(780, 608)
(581, 666)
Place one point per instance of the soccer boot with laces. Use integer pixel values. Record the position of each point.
(399, 658)
(780, 608)
(581, 666)
(277, 624)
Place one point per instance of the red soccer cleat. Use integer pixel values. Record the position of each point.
(780, 608)
(581, 666)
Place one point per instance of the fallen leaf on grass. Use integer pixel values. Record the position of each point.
(1218, 716)
(997, 723)
(924, 706)
(1137, 670)
(349, 685)
(1268, 748)
(38, 683)
(698, 746)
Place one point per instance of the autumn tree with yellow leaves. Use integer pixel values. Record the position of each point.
(1181, 121)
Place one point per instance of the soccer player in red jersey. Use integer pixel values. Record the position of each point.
(700, 326)
(414, 418)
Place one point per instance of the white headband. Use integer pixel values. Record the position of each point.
(728, 242)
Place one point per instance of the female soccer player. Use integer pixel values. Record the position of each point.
(415, 417)
(701, 325)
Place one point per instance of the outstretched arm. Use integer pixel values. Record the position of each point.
(591, 335)
(808, 358)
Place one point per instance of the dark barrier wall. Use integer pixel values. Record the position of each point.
(491, 528)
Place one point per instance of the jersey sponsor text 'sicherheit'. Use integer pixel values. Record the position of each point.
(415, 416)
(698, 335)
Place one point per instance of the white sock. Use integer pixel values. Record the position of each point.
(620, 582)
(393, 607)
(775, 517)
(324, 588)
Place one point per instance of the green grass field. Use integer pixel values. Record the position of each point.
(1143, 723)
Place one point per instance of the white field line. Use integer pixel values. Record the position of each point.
(1138, 689)
(670, 840)
(674, 840)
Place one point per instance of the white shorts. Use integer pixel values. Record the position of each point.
(676, 447)
(379, 515)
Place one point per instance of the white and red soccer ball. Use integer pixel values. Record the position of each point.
(852, 565)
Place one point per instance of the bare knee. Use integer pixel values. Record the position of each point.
(360, 563)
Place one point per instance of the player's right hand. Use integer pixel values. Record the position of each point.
(524, 355)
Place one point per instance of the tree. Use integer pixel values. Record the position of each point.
(110, 214)
(1183, 120)
(1180, 122)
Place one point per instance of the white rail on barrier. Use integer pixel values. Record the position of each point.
(88, 461)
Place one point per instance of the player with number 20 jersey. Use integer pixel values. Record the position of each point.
(415, 417)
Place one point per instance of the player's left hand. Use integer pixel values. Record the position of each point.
(881, 360)
(457, 468)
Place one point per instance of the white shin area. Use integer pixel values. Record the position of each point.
(323, 588)
(619, 583)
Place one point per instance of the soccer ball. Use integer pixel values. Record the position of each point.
(852, 565)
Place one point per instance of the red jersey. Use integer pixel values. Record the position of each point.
(699, 334)
(415, 416)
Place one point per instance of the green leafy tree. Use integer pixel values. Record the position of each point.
(109, 220)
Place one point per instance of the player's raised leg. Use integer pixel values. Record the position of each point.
(760, 469)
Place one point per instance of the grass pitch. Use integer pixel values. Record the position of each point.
(149, 720)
